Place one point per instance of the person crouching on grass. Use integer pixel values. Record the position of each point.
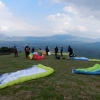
(70, 52)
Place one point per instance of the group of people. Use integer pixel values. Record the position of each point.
(27, 51)
(56, 51)
(70, 51)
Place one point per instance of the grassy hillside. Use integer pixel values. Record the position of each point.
(61, 85)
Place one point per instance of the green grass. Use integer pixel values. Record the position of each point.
(61, 85)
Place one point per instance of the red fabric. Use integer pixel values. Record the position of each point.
(28, 57)
(37, 57)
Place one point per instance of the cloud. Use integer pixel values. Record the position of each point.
(60, 31)
(64, 23)
(74, 17)
(59, 23)
(53, 1)
(40, 3)
(84, 7)
(93, 4)
(80, 18)
(10, 23)
(70, 9)
(59, 17)
(81, 28)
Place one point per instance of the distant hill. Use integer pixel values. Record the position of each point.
(47, 38)
(82, 46)
(58, 38)
(4, 37)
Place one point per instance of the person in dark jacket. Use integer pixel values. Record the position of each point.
(56, 50)
(70, 51)
(27, 50)
(61, 51)
(47, 50)
(15, 52)
(33, 50)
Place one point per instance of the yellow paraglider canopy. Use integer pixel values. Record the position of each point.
(44, 53)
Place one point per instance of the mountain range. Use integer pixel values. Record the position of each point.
(82, 46)
(47, 38)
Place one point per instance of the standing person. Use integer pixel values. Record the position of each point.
(56, 51)
(15, 52)
(27, 50)
(47, 50)
(61, 51)
(70, 51)
(32, 50)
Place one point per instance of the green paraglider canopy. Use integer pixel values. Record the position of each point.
(30, 56)
(36, 71)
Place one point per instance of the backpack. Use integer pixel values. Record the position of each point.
(27, 49)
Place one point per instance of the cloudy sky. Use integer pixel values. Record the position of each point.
(50, 17)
